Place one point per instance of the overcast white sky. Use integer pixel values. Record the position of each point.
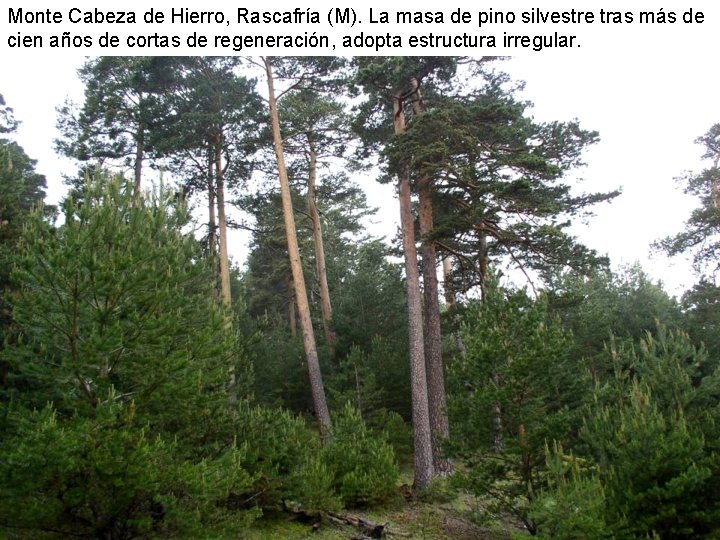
(648, 110)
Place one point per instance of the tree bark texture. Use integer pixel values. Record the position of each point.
(139, 156)
(222, 225)
(325, 305)
(212, 221)
(433, 335)
(433, 338)
(303, 307)
(422, 437)
(292, 320)
(715, 183)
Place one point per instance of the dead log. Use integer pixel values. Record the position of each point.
(369, 528)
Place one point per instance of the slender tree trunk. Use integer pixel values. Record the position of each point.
(316, 382)
(292, 321)
(222, 225)
(715, 184)
(498, 445)
(212, 221)
(483, 265)
(422, 443)
(433, 334)
(139, 156)
(224, 262)
(450, 301)
(447, 282)
(325, 306)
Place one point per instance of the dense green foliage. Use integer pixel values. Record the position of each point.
(136, 403)
(363, 467)
(700, 237)
(522, 386)
(121, 338)
(141, 435)
(661, 410)
(516, 388)
(21, 189)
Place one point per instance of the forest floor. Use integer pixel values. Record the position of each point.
(438, 518)
(413, 520)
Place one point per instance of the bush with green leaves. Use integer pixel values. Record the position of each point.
(122, 336)
(653, 434)
(362, 465)
(286, 459)
(649, 450)
(572, 505)
(110, 477)
(515, 389)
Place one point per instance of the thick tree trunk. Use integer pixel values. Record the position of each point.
(222, 226)
(325, 306)
(433, 338)
(433, 335)
(316, 382)
(422, 442)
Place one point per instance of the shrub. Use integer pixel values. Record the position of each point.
(657, 473)
(572, 506)
(285, 457)
(363, 467)
(123, 337)
(515, 389)
(107, 477)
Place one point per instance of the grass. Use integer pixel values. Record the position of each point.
(439, 514)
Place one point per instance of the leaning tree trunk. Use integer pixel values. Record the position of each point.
(292, 321)
(325, 306)
(422, 438)
(433, 337)
(316, 382)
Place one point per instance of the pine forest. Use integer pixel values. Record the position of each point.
(477, 373)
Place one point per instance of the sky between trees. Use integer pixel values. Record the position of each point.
(647, 109)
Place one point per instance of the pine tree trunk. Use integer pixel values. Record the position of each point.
(212, 221)
(422, 438)
(325, 306)
(225, 294)
(482, 264)
(292, 321)
(316, 382)
(450, 301)
(222, 226)
(433, 338)
(715, 184)
(433, 334)
(447, 282)
(139, 155)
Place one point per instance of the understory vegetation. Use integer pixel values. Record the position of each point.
(149, 388)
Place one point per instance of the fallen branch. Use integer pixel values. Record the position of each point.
(369, 528)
